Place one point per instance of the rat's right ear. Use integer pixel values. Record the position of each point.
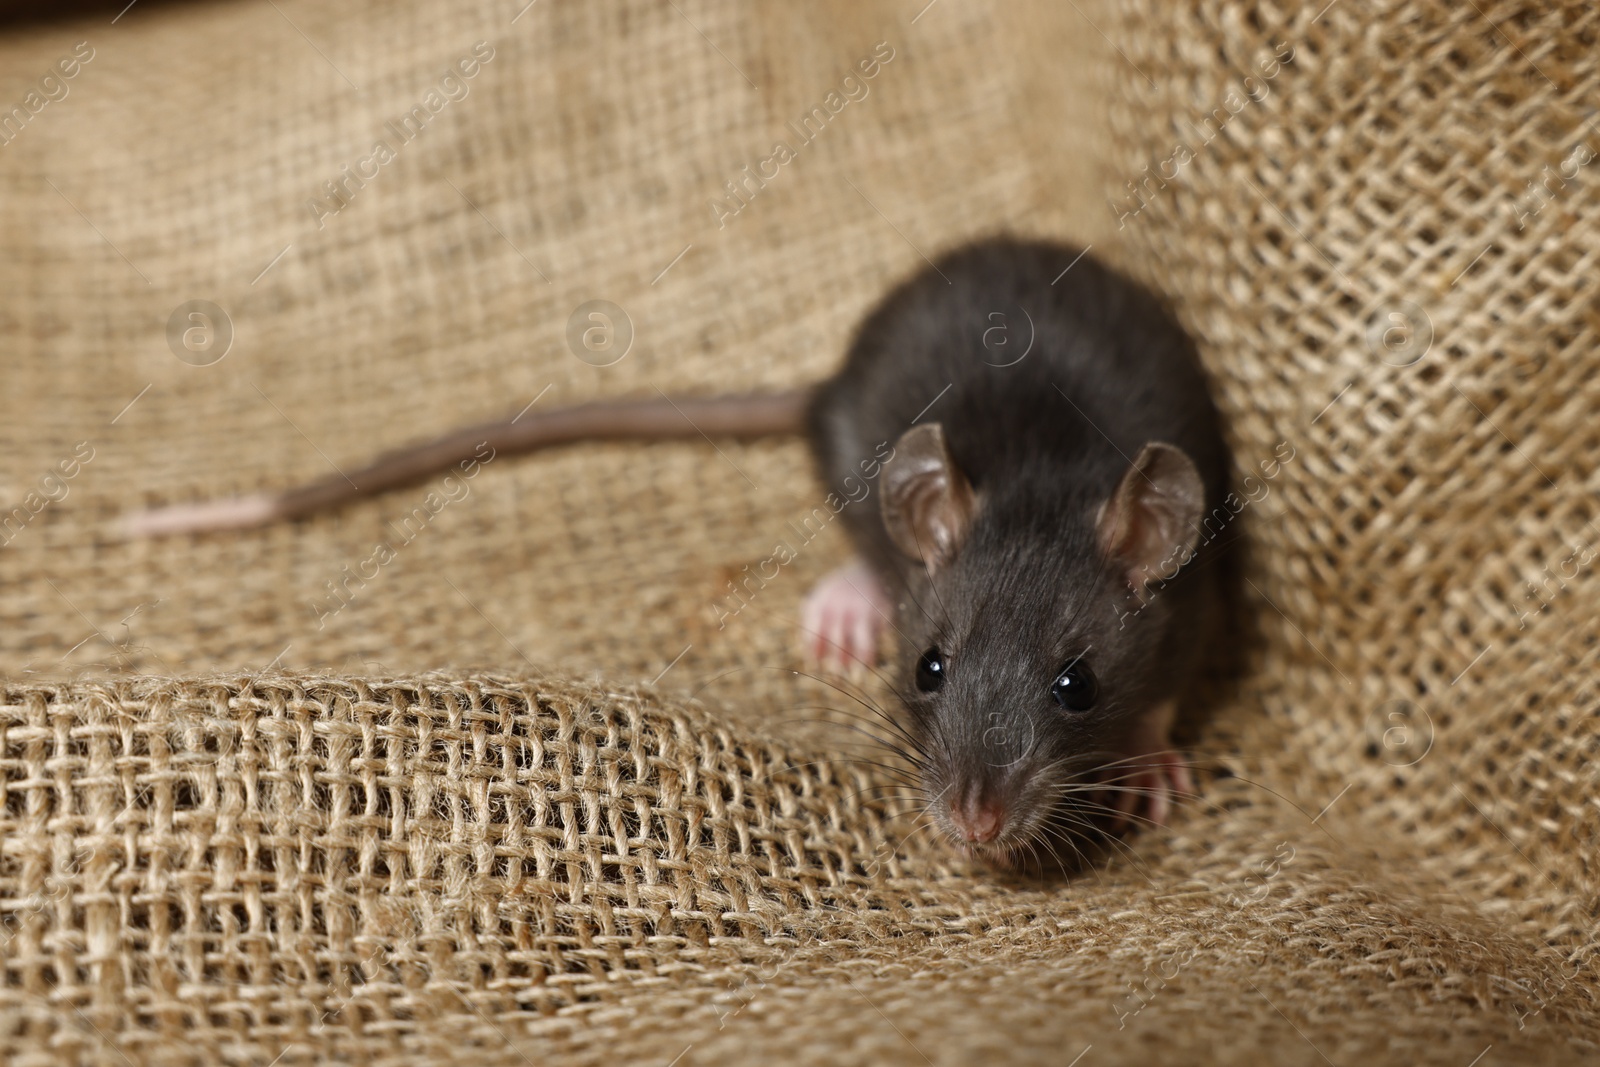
(927, 502)
(1150, 525)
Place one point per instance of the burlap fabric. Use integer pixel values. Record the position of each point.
(243, 825)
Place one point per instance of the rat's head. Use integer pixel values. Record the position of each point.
(1033, 651)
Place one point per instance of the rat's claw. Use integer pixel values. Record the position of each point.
(1163, 777)
(1160, 798)
(1123, 802)
(1168, 780)
(1178, 776)
(842, 616)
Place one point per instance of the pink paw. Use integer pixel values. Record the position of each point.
(1154, 781)
(842, 616)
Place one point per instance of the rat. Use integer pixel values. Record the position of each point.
(1036, 540)
(1036, 544)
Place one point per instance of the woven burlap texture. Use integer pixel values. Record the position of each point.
(240, 828)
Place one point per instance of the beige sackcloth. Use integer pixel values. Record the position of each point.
(532, 795)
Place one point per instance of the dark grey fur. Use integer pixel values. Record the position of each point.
(1044, 443)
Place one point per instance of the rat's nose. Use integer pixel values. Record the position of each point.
(978, 819)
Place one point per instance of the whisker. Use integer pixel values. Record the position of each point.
(1081, 817)
(1082, 860)
(894, 779)
(899, 730)
(820, 762)
(821, 681)
(1145, 757)
(1088, 803)
(872, 668)
(885, 798)
(786, 670)
(917, 810)
(1292, 804)
(833, 725)
(884, 742)
(895, 852)
(1099, 834)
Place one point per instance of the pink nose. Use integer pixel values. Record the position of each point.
(978, 820)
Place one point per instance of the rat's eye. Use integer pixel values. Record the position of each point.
(1074, 687)
(930, 671)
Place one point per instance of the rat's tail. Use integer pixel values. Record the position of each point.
(659, 419)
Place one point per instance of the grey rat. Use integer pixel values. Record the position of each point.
(1035, 538)
(1054, 451)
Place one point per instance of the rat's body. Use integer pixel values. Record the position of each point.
(1054, 451)
(1026, 586)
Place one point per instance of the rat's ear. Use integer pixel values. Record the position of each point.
(1151, 523)
(927, 502)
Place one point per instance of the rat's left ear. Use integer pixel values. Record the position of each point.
(927, 503)
(1151, 523)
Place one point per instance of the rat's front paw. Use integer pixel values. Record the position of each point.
(1154, 782)
(842, 617)
(1153, 777)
